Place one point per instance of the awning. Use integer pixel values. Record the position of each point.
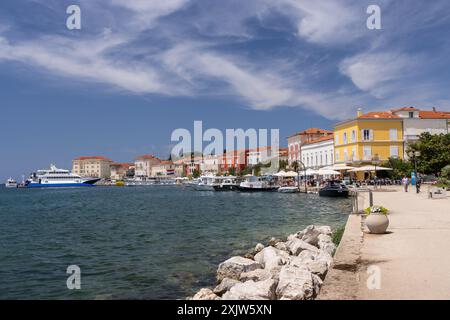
(370, 168)
(327, 172)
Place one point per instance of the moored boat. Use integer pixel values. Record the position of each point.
(11, 183)
(54, 178)
(334, 189)
(227, 183)
(257, 184)
(206, 183)
(288, 189)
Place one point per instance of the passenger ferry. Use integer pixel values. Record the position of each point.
(11, 183)
(55, 177)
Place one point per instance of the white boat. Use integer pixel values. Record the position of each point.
(258, 184)
(55, 177)
(288, 189)
(226, 183)
(11, 183)
(207, 183)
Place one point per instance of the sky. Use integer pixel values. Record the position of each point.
(139, 69)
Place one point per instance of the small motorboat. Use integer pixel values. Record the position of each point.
(287, 189)
(334, 189)
(258, 184)
(227, 183)
(11, 183)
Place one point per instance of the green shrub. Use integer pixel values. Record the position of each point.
(336, 236)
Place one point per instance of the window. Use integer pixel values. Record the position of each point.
(345, 155)
(393, 134)
(354, 154)
(411, 114)
(367, 134)
(394, 151)
(345, 137)
(367, 152)
(337, 155)
(336, 139)
(353, 136)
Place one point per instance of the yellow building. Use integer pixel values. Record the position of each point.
(368, 137)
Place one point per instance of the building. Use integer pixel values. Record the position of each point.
(143, 165)
(211, 164)
(92, 166)
(164, 168)
(265, 154)
(119, 171)
(416, 122)
(236, 159)
(295, 141)
(318, 153)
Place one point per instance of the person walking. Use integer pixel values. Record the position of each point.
(418, 183)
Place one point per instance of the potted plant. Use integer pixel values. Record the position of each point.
(377, 220)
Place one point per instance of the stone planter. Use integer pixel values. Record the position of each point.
(377, 223)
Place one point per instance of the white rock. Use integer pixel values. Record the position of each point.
(295, 246)
(292, 236)
(325, 243)
(233, 267)
(271, 257)
(205, 294)
(325, 230)
(310, 235)
(296, 283)
(255, 275)
(309, 259)
(251, 290)
(325, 256)
(281, 246)
(225, 285)
(259, 247)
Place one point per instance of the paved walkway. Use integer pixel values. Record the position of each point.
(413, 259)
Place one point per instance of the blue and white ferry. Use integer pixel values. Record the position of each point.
(55, 177)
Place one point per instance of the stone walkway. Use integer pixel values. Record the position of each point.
(413, 258)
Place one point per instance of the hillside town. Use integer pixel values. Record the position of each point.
(372, 137)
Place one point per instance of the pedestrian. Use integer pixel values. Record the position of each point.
(418, 183)
(406, 184)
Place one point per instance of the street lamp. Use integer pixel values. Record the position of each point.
(375, 161)
(298, 175)
(414, 155)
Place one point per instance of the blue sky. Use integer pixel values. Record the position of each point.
(139, 69)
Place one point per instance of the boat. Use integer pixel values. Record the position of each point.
(55, 177)
(287, 189)
(257, 184)
(206, 183)
(11, 183)
(334, 189)
(227, 183)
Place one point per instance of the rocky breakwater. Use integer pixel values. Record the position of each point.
(285, 270)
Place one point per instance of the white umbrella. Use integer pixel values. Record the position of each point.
(309, 172)
(370, 168)
(291, 174)
(338, 167)
(282, 173)
(327, 172)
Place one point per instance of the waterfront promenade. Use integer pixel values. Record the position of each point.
(413, 258)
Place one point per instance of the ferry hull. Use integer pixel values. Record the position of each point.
(88, 183)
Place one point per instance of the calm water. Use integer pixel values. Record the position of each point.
(141, 242)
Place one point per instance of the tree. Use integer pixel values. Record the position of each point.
(231, 171)
(434, 152)
(196, 173)
(400, 168)
(283, 164)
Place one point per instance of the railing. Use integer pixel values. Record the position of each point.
(359, 197)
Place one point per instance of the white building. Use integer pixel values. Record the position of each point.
(416, 122)
(211, 164)
(92, 166)
(143, 165)
(318, 153)
(297, 140)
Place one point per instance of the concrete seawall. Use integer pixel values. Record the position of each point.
(413, 258)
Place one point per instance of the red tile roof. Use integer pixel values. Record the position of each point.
(434, 115)
(147, 157)
(312, 131)
(379, 115)
(93, 158)
(324, 138)
(405, 109)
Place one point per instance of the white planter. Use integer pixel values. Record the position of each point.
(377, 223)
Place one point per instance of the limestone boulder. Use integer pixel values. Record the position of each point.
(205, 294)
(309, 259)
(325, 243)
(281, 246)
(271, 257)
(295, 246)
(233, 267)
(255, 275)
(297, 283)
(251, 290)
(225, 285)
(258, 247)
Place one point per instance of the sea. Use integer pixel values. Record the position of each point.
(147, 242)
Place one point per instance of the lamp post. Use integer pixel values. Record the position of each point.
(414, 155)
(298, 175)
(375, 161)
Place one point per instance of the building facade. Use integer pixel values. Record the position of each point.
(144, 164)
(92, 166)
(265, 154)
(119, 171)
(318, 153)
(297, 140)
(368, 137)
(165, 168)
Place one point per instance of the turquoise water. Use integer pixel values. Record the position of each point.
(139, 242)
